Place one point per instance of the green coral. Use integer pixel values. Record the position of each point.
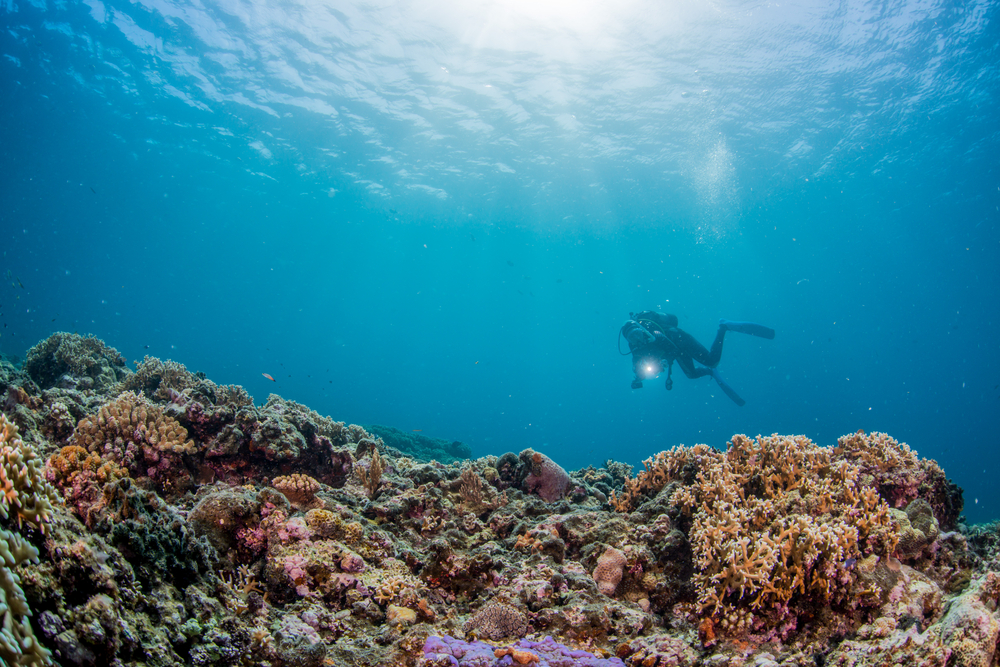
(31, 497)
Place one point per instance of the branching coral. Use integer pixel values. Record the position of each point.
(23, 486)
(477, 495)
(900, 475)
(372, 475)
(776, 520)
(674, 464)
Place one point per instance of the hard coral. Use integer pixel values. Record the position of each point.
(32, 498)
(299, 489)
(130, 418)
(900, 475)
(86, 360)
(678, 463)
(776, 521)
(608, 572)
(496, 621)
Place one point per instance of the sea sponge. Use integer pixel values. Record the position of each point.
(496, 621)
(608, 572)
(547, 477)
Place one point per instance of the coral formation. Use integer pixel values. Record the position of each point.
(608, 572)
(497, 621)
(74, 361)
(546, 477)
(204, 529)
(32, 499)
(298, 488)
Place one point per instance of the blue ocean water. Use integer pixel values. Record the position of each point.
(436, 216)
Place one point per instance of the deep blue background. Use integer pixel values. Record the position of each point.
(847, 197)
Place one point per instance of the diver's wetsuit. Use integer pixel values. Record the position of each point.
(673, 344)
(654, 339)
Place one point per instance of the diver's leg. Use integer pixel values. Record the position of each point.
(687, 343)
(690, 370)
(636, 381)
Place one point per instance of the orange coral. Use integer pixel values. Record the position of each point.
(517, 655)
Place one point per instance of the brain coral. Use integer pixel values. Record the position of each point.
(608, 572)
(496, 621)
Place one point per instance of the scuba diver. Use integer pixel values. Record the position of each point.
(655, 342)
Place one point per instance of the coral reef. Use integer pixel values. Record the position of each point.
(419, 446)
(201, 528)
(74, 361)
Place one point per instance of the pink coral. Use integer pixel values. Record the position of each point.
(547, 478)
(608, 572)
(295, 569)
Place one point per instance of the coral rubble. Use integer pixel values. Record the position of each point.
(200, 528)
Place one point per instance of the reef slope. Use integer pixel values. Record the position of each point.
(152, 517)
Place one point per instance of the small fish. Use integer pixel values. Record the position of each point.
(20, 283)
(850, 563)
(269, 377)
(510, 263)
(417, 430)
(145, 347)
(93, 190)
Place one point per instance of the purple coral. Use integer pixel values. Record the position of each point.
(550, 653)
(547, 477)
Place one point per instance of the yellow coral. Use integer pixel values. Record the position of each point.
(775, 518)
